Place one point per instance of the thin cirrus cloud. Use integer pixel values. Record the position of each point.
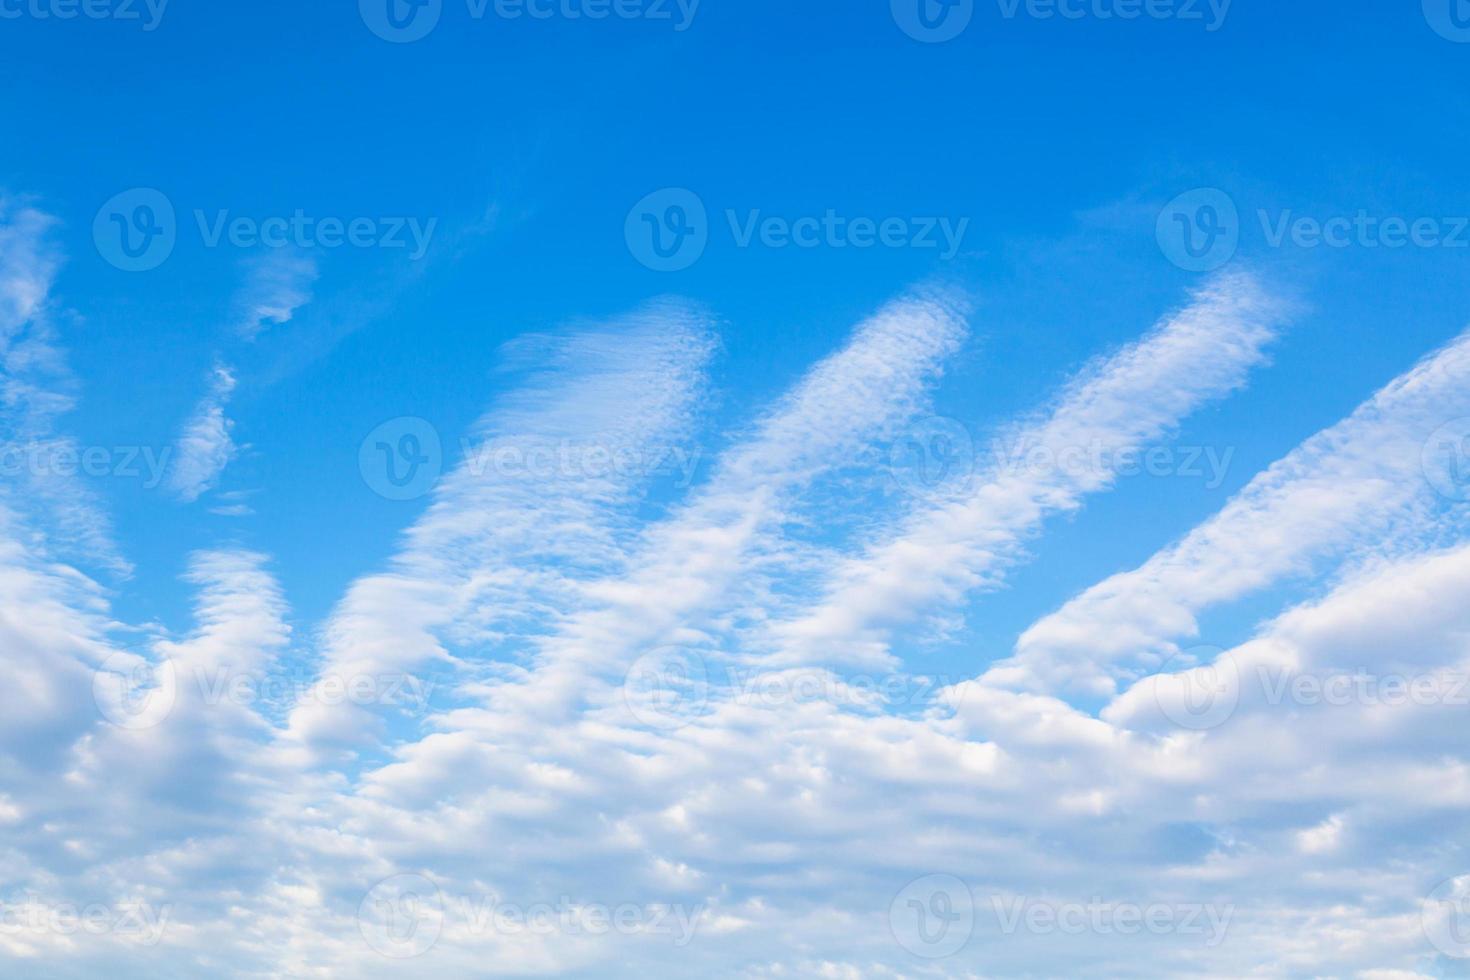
(777, 826)
(204, 447)
(1358, 483)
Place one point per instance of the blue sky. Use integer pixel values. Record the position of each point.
(715, 342)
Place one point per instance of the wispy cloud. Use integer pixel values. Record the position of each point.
(277, 284)
(940, 552)
(1345, 486)
(204, 448)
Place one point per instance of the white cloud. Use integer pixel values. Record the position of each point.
(204, 448)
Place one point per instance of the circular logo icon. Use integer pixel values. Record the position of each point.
(132, 692)
(667, 688)
(1445, 916)
(933, 21)
(400, 21)
(1446, 460)
(401, 459)
(1202, 692)
(402, 916)
(933, 457)
(933, 916)
(1449, 18)
(135, 231)
(1199, 230)
(667, 230)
